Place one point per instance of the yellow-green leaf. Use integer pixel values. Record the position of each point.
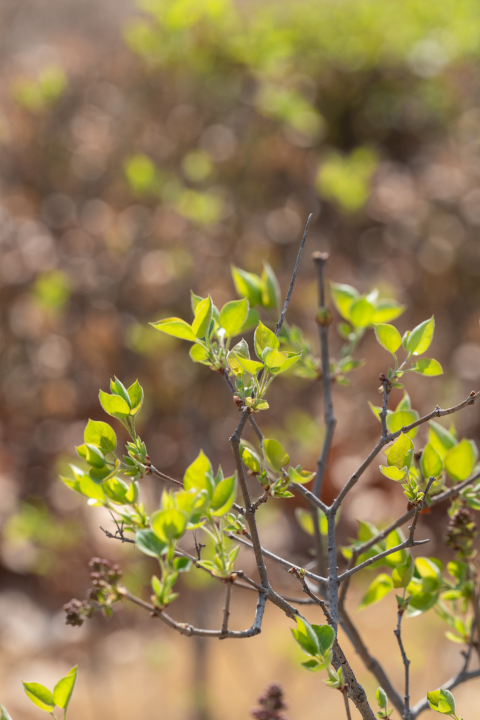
(421, 336)
(461, 459)
(176, 327)
(388, 337)
(428, 367)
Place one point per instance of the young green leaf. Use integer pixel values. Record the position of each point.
(401, 418)
(264, 338)
(278, 362)
(387, 310)
(195, 300)
(343, 297)
(135, 393)
(275, 454)
(428, 367)
(241, 364)
(224, 496)
(298, 475)
(40, 696)
(401, 452)
(199, 475)
(325, 636)
(203, 317)
(461, 459)
(440, 438)
(388, 337)
(62, 692)
(199, 354)
(251, 460)
(306, 637)
(442, 701)
(176, 327)
(233, 316)
(100, 434)
(361, 313)
(394, 473)
(248, 285)
(4, 715)
(271, 288)
(403, 573)
(169, 525)
(382, 699)
(380, 587)
(430, 462)
(114, 405)
(421, 336)
(148, 543)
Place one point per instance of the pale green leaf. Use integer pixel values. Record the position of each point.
(233, 316)
(203, 318)
(428, 367)
(101, 434)
(224, 496)
(148, 543)
(114, 405)
(343, 297)
(176, 327)
(264, 338)
(63, 690)
(40, 696)
(440, 438)
(421, 336)
(275, 454)
(387, 310)
(169, 524)
(388, 337)
(401, 452)
(271, 288)
(199, 475)
(431, 462)
(361, 313)
(394, 473)
(248, 285)
(460, 460)
(380, 587)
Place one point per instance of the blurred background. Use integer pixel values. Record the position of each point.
(145, 147)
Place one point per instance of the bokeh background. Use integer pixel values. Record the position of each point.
(143, 149)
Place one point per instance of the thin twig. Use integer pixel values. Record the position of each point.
(324, 319)
(383, 414)
(408, 543)
(294, 276)
(347, 706)
(406, 663)
(458, 679)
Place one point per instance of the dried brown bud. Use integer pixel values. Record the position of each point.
(472, 393)
(237, 400)
(323, 317)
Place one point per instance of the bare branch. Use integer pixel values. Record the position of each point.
(406, 664)
(276, 558)
(324, 320)
(458, 679)
(294, 276)
(187, 629)
(403, 546)
(226, 609)
(383, 414)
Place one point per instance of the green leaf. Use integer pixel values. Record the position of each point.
(203, 317)
(361, 313)
(430, 573)
(441, 439)
(461, 459)
(395, 538)
(176, 327)
(400, 419)
(116, 490)
(381, 696)
(62, 692)
(135, 393)
(251, 321)
(241, 363)
(169, 524)
(325, 636)
(100, 434)
(114, 405)
(442, 701)
(233, 316)
(401, 452)
(421, 336)
(380, 587)
(403, 573)
(148, 543)
(275, 454)
(271, 288)
(388, 337)
(313, 665)
(251, 460)
(298, 475)
(343, 297)
(199, 475)
(404, 403)
(305, 520)
(92, 455)
(118, 388)
(430, 462)
(195, 300)
(387, 310)
(224, 496)
(248, 285)
(4, 714)
(199, 354)
(278, 362)
(306, 637)
(182, 564)
(428, 367)
(91, 488)
(40, 696)
(264, 338)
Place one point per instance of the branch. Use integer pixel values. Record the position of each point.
(226, 609)
(458, 679)
(406, 664)
(437, 412)
(324, 319)
(355, 691)
(187, 629)
(409, 542)
(292, 281)
(276, 558)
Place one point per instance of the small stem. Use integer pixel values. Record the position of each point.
(294, 276)
(226, 609)
(347, 706)
(406, 663)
